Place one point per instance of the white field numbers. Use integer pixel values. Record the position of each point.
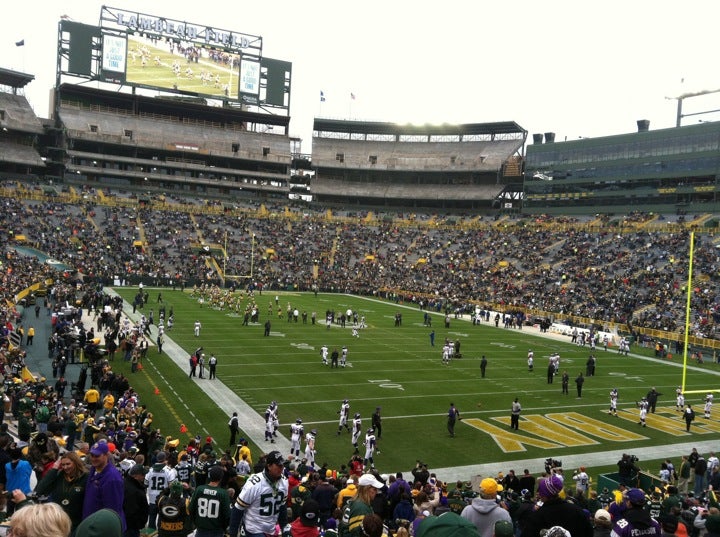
(387, 383)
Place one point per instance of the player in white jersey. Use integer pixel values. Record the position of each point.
(344, 412)
(582, 481)
(708, 405)
(343, 356)
(447, 353)
(531, 360)
(296, 434)
(370, 443)
(613, 402)
(198, 326)
(357, 428)
(324, 354)
(310, 447)
(679, 399)
(271, 422)
(555, 361)
(712, 463)
(643, 406)
(261, 504)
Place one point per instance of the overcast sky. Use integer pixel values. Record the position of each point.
(576, 68)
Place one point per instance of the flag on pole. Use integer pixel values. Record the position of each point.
(322, 96)
(20, 43)
(352, 96)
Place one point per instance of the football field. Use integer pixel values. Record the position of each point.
(153, 64)
(396, 368)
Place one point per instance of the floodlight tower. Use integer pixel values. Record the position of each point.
(681, 98)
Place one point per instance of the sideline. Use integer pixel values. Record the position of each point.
(252, 424)
(534, 331)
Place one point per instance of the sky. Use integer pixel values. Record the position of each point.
(577, 68)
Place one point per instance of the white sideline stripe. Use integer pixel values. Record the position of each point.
(254, 426)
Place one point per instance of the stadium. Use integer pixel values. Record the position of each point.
(172, 177)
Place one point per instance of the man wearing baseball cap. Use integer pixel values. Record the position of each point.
(484, 511)
(261, 504)
(636, 520)
(308, 523)
(359, 506)
(105, 487)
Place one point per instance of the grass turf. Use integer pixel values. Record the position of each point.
(397, 368)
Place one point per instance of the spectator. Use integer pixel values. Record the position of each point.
(135, 503)
(484, 511)
(636, 520)
(105, 488)
(555, 511)
(40, 520)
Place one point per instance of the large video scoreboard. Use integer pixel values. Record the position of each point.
(168, 55)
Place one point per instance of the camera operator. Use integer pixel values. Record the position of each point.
(627, 468)
(421, 473)
(553, 466)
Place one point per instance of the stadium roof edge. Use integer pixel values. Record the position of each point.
(625, 137)
(376, 127)
(14, 79)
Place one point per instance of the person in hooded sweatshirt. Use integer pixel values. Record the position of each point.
(485, 510)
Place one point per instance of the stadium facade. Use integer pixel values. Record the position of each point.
(184, 146)
(675, 170)
(445, 167)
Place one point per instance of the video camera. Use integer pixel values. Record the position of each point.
(552, 464)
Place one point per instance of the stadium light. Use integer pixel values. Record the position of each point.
(681, 98)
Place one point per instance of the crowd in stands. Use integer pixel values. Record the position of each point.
(154, 472)
(75, 439)
(555, 265)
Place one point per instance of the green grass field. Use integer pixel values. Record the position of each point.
(159, 72)
(397, 369)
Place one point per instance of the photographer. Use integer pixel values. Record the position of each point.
(421, 473)
(708, 520)
(627, 469)
(553, 466)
